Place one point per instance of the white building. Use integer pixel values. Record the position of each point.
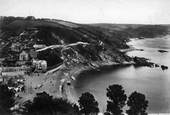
(23, 56)
(39, 64)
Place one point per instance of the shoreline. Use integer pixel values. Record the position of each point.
(102, 65)
(69, 89)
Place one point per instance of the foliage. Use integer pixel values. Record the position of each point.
(50, 56)
(88, 104)
(137, 104)
(117, 97)
(6, 98)
(30, 18)
(43, 103)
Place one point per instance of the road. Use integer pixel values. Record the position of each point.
(53, 70)
(63, 46)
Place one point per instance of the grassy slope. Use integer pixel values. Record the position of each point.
(94, 32)
(19, 26)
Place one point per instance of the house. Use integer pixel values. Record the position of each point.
(24, 55)
(16, 47)
(39, 64)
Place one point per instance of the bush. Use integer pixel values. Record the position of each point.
(137, 104)
(6, 99)
(88, 104)
(45, 104)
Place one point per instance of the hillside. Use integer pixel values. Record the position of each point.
(57, 32)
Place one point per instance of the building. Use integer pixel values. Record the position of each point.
(39, 64)
(16, 47)
(24, 56)
(14, 71)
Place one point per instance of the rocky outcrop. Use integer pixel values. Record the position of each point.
(156, 65)
(164, 67)
(162, 51)
(140, 61)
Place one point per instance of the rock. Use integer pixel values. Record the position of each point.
(68, 83)
(164, 67)
(140, 49)
(162, 51)
(140, 61)
(141, 37)
(156, 65)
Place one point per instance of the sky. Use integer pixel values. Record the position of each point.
(91, 11)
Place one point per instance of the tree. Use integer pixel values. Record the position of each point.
(6, 98)
(30, 18)
(137, 104)
(117, 99)
(44, 104)
(88, 104)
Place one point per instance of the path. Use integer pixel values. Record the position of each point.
(63, 46)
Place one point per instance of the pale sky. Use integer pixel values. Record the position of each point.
(91, 11)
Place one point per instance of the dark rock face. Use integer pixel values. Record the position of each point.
(140, 61)
(156, 65)
(162, 51)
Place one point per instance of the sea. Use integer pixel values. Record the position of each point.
(154, 83)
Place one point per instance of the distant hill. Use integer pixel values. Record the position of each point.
(138, 30)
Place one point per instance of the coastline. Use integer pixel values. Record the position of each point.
(70, 92)
(98, 66)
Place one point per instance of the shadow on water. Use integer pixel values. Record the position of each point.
(96, 73)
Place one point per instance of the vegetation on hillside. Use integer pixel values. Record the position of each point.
(149, 31)
(44, 104)
(135, 30)
(6, 99)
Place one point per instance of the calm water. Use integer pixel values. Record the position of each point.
(153, 82)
